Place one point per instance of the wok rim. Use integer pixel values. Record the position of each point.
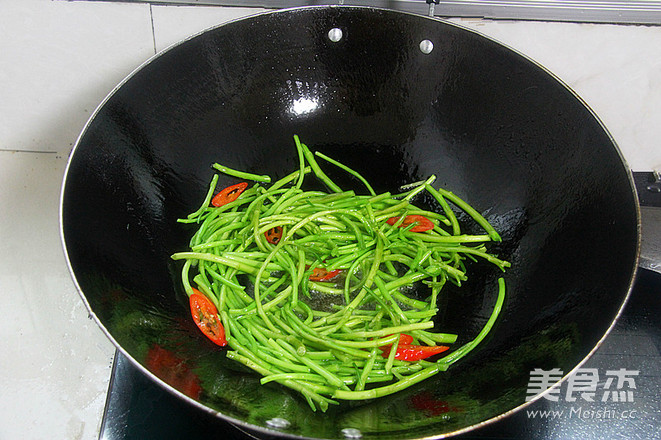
(240, 424)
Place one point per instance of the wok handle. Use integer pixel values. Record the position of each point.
(648, 185)
(432, 4)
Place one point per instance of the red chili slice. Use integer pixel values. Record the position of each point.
(206, 318)
(407, 352)
(431, 405)
(274, 235)
(404, 339)
(423, 223)
(173, 370)
(321, 274)
(229, 194)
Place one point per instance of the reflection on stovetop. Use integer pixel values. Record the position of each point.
(138, 409)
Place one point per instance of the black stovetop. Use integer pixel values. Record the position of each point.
(136, 408)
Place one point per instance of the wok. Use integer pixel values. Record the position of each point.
(495, 127)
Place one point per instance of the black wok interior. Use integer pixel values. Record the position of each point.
(493, 126)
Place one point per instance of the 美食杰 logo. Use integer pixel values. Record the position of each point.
(585, 384)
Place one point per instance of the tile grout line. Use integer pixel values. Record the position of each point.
(153, 33)
(10, 150)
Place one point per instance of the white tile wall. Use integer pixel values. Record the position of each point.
(615, 69)
(175, 23)
(59, 59)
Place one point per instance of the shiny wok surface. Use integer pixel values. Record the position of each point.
(497, 129)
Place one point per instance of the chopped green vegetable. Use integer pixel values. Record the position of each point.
(310, 285)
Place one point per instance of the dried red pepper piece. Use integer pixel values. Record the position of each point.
(173, 370)
(409, 352)
(404, 339)
(206, 318)
(427, 402)
(229, 194)
(274, 235)
(422, 222)
(321, 274)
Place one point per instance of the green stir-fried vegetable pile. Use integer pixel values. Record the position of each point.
(309, 288)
